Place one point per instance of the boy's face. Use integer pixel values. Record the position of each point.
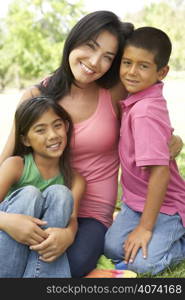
(138, 69)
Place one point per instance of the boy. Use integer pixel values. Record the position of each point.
(149, 232)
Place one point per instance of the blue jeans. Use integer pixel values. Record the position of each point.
(55, 206)
(166, 247)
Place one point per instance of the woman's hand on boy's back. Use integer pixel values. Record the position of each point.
(175, 146)
(138, 238)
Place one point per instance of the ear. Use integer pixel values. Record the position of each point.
(25, 141)
(163, 72)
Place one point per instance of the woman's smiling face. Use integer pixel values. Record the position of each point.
(91, 60)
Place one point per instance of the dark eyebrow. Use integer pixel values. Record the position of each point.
(108, 52)
(43, 124)
(141, 61)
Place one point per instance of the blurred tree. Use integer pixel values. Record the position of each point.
(168, 16)
(35, 32)
(5, 58)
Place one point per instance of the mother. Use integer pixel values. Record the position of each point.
(87, 85)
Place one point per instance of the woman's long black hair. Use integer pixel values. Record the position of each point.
(59, 83)
(27, 113)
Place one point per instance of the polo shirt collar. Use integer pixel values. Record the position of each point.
(150, 92)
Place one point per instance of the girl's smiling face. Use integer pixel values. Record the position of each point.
(47, 136)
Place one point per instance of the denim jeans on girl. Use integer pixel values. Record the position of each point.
(55, 206)
(166, 247)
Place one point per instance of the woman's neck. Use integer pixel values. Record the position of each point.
(81, 90)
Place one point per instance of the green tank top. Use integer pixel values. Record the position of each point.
(32, 176)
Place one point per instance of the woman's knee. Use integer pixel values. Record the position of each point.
(79, 266)
(82, 263)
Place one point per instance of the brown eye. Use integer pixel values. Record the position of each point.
(90, 45)
(40, 131)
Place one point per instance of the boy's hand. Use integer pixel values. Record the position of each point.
(138, 238)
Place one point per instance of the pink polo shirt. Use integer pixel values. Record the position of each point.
(144, 136)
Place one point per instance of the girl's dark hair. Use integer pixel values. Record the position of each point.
(90, 26)
(27, 113)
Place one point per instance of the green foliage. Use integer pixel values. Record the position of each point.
(35, 31)
(181, 162)
(168, 16)
(5, 58)
(105, 263)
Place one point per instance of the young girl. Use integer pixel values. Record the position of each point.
(35, 185)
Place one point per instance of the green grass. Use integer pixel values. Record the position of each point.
(177, 271)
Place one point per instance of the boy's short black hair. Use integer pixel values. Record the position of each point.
(154, 40)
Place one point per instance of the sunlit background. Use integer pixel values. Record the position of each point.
(32, 33)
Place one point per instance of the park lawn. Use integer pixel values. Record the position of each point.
(177, 271)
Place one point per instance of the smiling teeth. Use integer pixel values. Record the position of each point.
(54, 146)
(86, 69)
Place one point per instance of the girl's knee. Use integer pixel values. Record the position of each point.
(58, 188)
(31, 191)
(30, 195)
(26, 194)
(59, 195)
(24, 200)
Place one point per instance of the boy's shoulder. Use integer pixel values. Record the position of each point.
(147, 106)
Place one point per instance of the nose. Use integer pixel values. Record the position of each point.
(94, 59)
(133, 69)
(52, 133)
